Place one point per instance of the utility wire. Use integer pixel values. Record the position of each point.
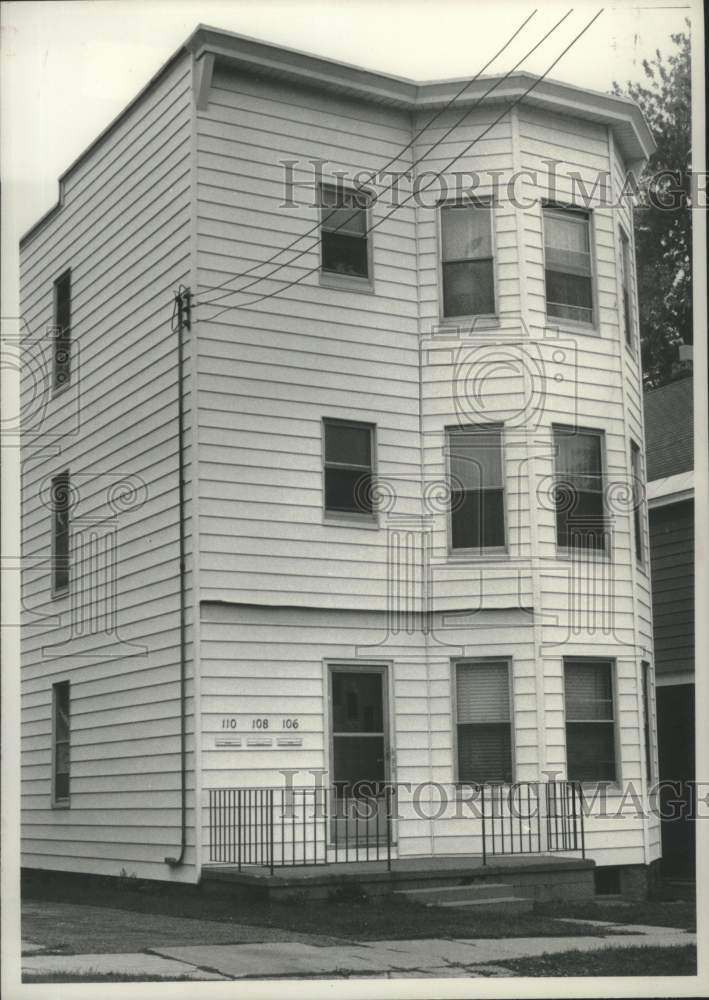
(437, 176)
(359, 187)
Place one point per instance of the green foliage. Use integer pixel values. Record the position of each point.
(663, 223)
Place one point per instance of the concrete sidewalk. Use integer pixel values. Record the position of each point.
(433, 957)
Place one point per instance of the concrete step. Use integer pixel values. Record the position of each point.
(500, 904)
(447, 893)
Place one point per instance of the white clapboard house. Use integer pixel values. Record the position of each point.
(337, 554)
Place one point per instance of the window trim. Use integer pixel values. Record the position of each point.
(630, 336)
(567, 551)
(457, 661)
(56, 802)
(60, 591)
(487, 551)
(638, 505)
(573, 325)
(353, 518)
(616, 781)
(57, 390)
(348, 282)
(488, 319)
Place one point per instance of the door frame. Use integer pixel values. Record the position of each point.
(347, 666)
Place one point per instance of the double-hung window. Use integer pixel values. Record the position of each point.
(61, 737)
(567, 263)
(60, 532)
(626, 277)
(637, 500)
(348, 468)
(578, 489)
(477, 519)
(483, 721)
(467, 260)
(590, 725)
(344, 239)
(61, 370)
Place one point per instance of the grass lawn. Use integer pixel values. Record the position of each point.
(656, 913)
(649, 961)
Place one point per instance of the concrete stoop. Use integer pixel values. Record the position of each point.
(493, 897)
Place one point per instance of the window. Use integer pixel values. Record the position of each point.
(567, 257)
(647, 720)
(590, 728)
(637, 500)
(578, 491)
(62, 332)
(483, 722)
(60, 532)
(476, 487)
(467, 260)
(348, 468)
(626, 274)
(61, 743)
(343, 232)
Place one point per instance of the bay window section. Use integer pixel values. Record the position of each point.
(590, 723)
(579, 488)
(476, 477)
(567, 262)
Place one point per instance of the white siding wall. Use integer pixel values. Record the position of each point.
(124, 229)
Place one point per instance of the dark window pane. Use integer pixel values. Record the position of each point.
(343, 254)
(590, 751)
(357, 702)
(348, 444)
(358, 759)
(580, 519)
(60, 530)
(348, 490)
(569, 296)
(588, 692)
(62, 336)
(468, 288)
(484, 752)
(61, 786)
(477, 519)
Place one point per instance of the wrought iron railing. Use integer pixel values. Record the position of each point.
(532, 817)
(271, 827)
(319, 825)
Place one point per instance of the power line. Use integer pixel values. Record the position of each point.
(360, 186)
(437, 176)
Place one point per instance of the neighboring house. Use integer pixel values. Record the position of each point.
(669, 436)
(410, 552)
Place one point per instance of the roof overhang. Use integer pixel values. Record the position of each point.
(631, 133)
(670, 489)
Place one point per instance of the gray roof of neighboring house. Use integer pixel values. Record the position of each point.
(669, 438)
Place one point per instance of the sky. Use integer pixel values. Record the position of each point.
(70, 67)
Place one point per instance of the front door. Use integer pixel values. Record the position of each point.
(359, 753)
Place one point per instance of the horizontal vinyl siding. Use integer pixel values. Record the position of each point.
(270, 373)
(672, 550)
(124, 229)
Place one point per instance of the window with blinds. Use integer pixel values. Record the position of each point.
(483, 722)
(590, 723)
(579, 488)
(61, 372)
(61, 743)
(625, 280)
(567, 262)
(467, 260)
(344, 232)
(476, 487)
(348, 468)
